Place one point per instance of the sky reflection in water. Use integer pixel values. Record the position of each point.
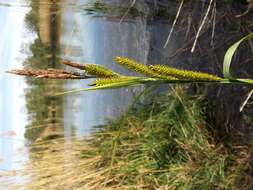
(82, 38)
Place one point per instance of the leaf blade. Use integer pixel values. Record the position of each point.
(229, 56)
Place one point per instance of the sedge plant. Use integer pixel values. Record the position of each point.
(157, 74)
(153, 74)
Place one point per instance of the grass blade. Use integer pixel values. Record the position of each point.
(131, 82)
(246, 100)
(227, 63)
(229, 55)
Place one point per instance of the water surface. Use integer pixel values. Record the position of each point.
(36, 34)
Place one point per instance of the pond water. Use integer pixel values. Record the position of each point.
(37, 34)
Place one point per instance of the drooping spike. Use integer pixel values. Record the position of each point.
(183, 74)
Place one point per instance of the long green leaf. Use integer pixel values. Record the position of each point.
(121, 84)
(228, 59)
(227, 63)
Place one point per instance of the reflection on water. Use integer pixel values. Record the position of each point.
(45, 110)
(36, 34)
(13, 117)
(98, 40)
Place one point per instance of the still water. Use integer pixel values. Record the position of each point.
(35, 34)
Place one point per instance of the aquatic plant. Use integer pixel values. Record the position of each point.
(107, 78)
(165, 74)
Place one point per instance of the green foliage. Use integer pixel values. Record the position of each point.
(165, 145)
(228, 60)
(227, 64)
(110, 83)
(39, 96)
(31, 18)
(41, 56)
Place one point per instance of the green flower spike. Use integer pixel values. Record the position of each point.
(119, 82)
(183, 74)
(140, 68)
(108, 81)
(100, 71)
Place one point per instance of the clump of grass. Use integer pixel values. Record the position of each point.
(165, 145)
